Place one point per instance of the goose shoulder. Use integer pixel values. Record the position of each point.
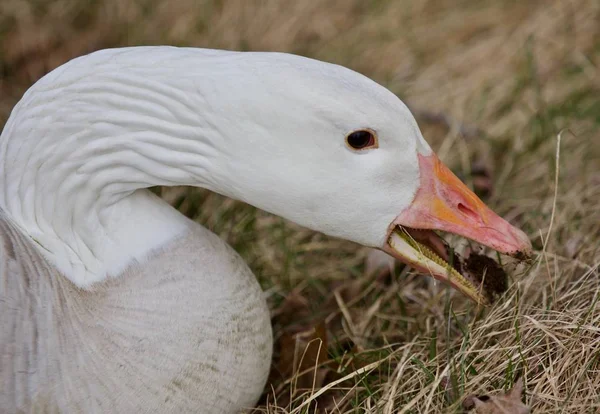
(176, 332)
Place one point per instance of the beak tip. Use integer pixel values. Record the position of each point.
(523, 249)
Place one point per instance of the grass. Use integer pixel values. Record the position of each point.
(493, 84)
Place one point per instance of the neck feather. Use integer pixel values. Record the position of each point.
(76, 152)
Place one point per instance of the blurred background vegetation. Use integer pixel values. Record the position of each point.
(492, 84)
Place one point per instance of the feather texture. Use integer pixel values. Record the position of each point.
(143, 340)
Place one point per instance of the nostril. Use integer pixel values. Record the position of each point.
(467, 211)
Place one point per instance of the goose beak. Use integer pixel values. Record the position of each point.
(444, 203)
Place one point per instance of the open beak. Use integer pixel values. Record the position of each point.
(444, 203)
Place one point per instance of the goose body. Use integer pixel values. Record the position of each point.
(111, 300)
(117, 348)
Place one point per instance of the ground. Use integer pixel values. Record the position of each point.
(505, 91)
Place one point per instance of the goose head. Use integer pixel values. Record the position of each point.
(336, 152)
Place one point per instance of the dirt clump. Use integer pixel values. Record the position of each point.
(485, 270)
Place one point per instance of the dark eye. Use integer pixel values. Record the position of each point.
(361, 139)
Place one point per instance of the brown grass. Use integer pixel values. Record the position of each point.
(493, 84)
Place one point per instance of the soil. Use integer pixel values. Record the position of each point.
(521, 256)
(485, 269)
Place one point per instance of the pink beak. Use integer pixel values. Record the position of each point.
(444, 203)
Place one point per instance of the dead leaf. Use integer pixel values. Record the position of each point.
(302, 356)
(483, 183)
(573, 246)
(507, 403)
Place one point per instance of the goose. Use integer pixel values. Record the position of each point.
(113, 301)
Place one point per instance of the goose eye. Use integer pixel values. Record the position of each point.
(361, 139)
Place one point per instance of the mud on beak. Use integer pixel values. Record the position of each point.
(444, 203)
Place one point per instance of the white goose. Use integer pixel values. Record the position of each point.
(111, 300)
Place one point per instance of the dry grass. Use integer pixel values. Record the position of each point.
(493, 83)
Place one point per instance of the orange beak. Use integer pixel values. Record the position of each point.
(444, 203)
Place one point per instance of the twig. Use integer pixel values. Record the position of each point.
(556, 173)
